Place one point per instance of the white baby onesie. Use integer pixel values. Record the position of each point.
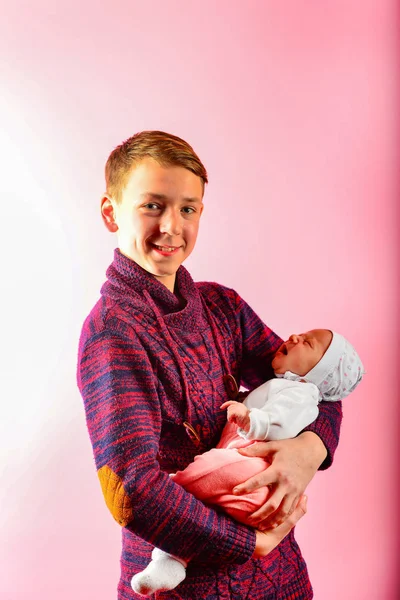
(280, 409)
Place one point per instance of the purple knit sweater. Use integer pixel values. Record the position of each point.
(151, 376)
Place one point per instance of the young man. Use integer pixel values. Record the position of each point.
(155, 355)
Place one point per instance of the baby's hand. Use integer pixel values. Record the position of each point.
(238, 414)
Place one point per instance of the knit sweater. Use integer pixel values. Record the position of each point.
(150, 370)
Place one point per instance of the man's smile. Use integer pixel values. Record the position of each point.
(165, 249)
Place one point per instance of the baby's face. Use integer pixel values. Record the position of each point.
(302, 352)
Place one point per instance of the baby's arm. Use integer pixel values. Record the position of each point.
(280, 409)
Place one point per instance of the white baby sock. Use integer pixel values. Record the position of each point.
(164, 572)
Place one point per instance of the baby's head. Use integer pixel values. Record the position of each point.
(302, 352)
(322, 357)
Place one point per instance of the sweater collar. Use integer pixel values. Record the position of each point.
(126, 280)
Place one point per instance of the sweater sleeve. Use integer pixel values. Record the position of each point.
(327, 427)
(259, 344)
(123, 415)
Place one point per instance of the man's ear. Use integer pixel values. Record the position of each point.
(108, 213)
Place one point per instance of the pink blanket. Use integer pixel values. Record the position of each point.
(212, 476)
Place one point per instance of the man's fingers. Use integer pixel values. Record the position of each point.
(299, 511)
(262, 449)
(294, 505)
(286, 508)
(269, 508)
(296, 515)
(267, 541)
(255, 482)
(292, 520)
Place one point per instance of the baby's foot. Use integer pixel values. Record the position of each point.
(162, 574)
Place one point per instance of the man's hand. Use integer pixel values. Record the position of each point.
(268, 540)
(293, 463)
(238, 413)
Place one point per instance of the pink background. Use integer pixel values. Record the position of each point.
(292, 107)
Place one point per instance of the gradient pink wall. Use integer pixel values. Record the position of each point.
(292, 107)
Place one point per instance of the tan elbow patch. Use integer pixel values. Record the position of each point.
(115, 496)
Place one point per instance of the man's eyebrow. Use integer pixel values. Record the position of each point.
(155, 196)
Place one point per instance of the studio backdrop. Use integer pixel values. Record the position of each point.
(292, 107)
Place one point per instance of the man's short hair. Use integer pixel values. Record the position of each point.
(167, 149)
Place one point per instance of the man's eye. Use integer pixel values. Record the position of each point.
(151, 205)
(188, 209)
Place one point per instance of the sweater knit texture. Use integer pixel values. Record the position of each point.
(150, 371)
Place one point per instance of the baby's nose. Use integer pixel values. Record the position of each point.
(295, 338)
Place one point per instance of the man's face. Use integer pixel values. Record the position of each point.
(300, 353)
(158, 217)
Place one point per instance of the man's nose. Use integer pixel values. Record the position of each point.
(171, 223)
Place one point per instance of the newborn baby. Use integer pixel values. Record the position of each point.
(281, 408)
(309, 367)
